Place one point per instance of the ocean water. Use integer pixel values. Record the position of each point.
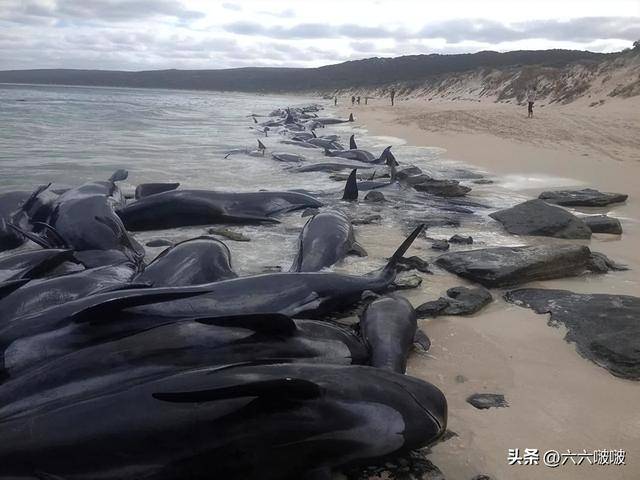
(70, 135)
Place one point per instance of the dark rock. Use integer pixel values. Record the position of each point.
(603, 224)
(605, 328)
(461, 379)
(483, 181)
(441, 245)
(466, 301)
(406, 282)
(230, 234)
(444, 221)
(461, 240)
(374, 196)
(310, 212)
(504, 266)
(413, 263)
(443, 188)
(483, 401)
(406, 466)
(536, 217)
(459, 301)
(369, 219)
(587, 197)
(600, 263)
(160, 242)
(482, 477)
(433, 308)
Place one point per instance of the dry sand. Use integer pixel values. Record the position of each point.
(558, 400)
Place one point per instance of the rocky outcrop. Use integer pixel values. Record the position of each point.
(442, 188)
(587, 197)
(459, 301)
(605, 328)
(505, 266)
(603, 224)
(538, 218)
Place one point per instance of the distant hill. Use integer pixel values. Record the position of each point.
(368, 73)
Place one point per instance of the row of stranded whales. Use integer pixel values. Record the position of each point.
(249, 422)
(112, 367)
(171, 348)
(109, 315)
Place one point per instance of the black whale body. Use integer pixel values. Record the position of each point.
(179, 208)
(251, 422)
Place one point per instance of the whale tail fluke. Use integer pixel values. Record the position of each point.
(351, 187)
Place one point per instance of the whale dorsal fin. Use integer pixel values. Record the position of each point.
(352, 143)
(351, 187)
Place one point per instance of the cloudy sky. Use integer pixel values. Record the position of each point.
(158, 34)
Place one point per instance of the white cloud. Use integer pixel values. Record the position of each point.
(149, 34)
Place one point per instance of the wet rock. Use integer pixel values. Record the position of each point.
(159, 242)
(461, 240)
(310, 212)
(374, 196)
(229, 234)
(536, 217)
(444, 221)
(600, 263)
(433, 308)
(603, 224)
(505, 266)
(413, 465)
(587, 197)
(443, 188)
(483, 181)
(459, 301)
(441, 245)
(369, 219)
(482, 477)
(413, 263)
(406, 282)
(483, 401)
(605, 328)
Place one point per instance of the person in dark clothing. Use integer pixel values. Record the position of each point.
(353, 100)
(335, 100)
(358, 100)
(531, 98)
(393, 96)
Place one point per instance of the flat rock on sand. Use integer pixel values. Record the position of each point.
(459, 301)
(505, 266)
(605, 328)
(538, 218)
(603, 224)
(587, 197)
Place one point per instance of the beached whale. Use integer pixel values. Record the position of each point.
(326, 239)
(333, 121)
(83, 219)
(41, 294)
(329, 167)
(33, 263)
(146, 189)
(250, 422)
(174, 347)
(389, 326)
(9, 203)
(125, 312)
(179, 208)
(192, 262)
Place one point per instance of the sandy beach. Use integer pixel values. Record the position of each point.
(557, 399)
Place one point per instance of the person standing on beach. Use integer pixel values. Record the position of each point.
(531, 98)
(353, 100)
(393, 96)
(358, 100)
(335, 100)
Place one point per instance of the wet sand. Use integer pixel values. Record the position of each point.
(557, 399)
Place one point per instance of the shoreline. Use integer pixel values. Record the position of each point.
(557, 399)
